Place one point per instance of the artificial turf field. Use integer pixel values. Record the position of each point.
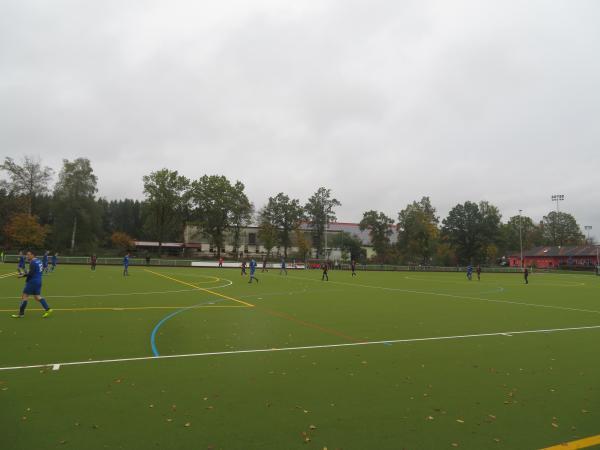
(326, 388)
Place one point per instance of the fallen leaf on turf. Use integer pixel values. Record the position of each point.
(169, 419)
(430, 417)
(460, 421)
(187, 424)
(174, 407)
(24, 418)
(63, 442)
(496, 439)
(118, 380)
(584, 411)
(454, 444)
(151, 406)
(555, 425)
(312, 427)
(491, 416)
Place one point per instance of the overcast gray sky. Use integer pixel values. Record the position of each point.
(382, 101)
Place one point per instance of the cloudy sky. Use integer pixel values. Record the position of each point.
(382, 101)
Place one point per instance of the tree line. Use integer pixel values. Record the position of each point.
(69, 216)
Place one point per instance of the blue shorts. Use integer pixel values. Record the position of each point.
(32, 288)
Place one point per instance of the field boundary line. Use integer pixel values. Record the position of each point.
(306, 347)
(218, 294)
(580, 443)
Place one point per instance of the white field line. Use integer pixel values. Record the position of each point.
(455, 296)
(308, 347)
(544, 284)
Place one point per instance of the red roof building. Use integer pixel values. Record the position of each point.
(554, 257)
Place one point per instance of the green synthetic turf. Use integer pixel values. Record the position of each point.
(524, 391)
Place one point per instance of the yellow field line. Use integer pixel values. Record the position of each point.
(130, 308)
(200, 288)
(11, 274)
(581, 443)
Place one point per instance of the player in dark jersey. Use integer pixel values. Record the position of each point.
(45, 262)
(243, 267)
(353, 267)
(53, 262)
(325, 269)
(478, 270)
(33, 286)
(93, 260)
(126, 265)
(526, 275)
(21, 264)
(264, 265)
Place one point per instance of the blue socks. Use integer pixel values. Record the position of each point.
(44, 304)
(22, 307)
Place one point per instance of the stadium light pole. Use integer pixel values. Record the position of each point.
(588, 228)
(521, 237)
(557, 198)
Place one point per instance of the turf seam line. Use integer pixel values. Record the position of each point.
(308, 347)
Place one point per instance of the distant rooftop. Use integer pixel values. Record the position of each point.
(554, 251)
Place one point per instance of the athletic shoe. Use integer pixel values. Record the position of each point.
(47, 313)
(17, 316)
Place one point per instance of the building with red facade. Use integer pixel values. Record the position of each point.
(554, 257)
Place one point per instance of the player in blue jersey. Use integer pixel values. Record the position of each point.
(283, 269)
(126, 265)
(252, 270)
(53, 262)
(21, 264)
(469, 272)
(33, 286)
(45, 262)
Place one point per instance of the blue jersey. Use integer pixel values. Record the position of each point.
(21, 262)
(54, 260)
(470, 269)
(45, 260)
(283, 263)
(126, 261)
(252, 266)
(34, 275)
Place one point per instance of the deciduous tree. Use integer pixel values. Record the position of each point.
(29, 179)
(320, 212)
(380, 230)
(24, 230)
(166, 204)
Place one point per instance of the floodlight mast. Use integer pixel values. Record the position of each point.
(588, 228)
(521, 237)
(557, 198)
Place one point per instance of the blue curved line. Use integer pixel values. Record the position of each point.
(169, 316)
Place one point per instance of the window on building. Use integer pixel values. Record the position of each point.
(252, 238)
